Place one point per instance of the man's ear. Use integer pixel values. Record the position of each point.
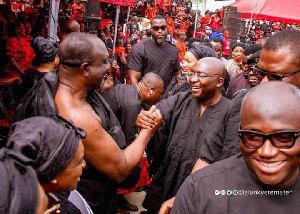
(84, 69)
(220, 82)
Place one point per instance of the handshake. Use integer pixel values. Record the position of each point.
(151, 119)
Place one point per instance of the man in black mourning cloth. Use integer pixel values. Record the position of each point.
(265, 177)
(154, 55)
(279, 61)
(71, 92)
(192, 133)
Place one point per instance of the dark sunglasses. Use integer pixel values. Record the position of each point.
(272, 76)
(156, 28)
(280, 139)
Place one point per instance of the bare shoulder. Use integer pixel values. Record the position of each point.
(82, 117)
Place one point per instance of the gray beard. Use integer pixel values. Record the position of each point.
(159, 41)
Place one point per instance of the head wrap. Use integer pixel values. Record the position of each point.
(45, 50)
(200, 51)
(18, 184)
(48, 144)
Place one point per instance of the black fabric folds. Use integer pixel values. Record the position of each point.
(200, 51)
(18, 184)
(49, 145)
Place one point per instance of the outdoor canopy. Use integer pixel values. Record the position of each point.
(129, 3)
(271, 10)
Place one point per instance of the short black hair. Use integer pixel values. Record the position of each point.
(218, 39)
(285, 38)
(157, 17)
(238, 44)
(193, 40)
(251, 49)
(77, 48)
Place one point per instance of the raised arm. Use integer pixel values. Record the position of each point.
(134, 76)
(103, 153)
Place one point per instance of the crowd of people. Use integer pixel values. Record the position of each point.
(201, 125)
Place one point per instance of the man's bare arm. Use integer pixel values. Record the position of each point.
(134, 76)
(103, 153)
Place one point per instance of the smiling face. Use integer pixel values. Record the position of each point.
(267, 114)
(159, 35)
(207, 88)
(189, 61)
(237, 54)
(99, 65)
(280, 62)
(68, 179)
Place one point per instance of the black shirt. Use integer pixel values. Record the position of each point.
(162, 60)
(227, 187)
(182, 139)
(124, 102)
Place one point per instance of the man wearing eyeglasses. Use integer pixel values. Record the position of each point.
(279, 61)
(192, 132)
(154, 55)
(265, 178)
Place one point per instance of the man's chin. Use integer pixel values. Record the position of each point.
(160, 41)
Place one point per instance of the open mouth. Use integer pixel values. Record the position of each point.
(270, 167)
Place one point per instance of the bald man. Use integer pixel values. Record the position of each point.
(265, 178)
(126, 101)
(279, 60)
(70, 26)
(192, 132)
(71, 93)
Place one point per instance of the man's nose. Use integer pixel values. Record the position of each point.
(267, 150)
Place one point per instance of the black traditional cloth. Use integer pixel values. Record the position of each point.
(31, 77)
(237, 84)
(232, 141)
(124, 102)
(183, 139)
(227, 187)
(146, 57)
(99, 191)
(18, 184)
(48, 144)
(201, 51)
(178, 84)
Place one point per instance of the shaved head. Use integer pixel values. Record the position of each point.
(152, 80)
(272, 108)
(77, 48)
(210, 65)
(274, 97)
(72, 26)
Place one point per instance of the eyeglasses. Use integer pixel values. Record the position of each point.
(200, 75)
(280, 139)
(156, 28)
(54, 204)
(273, 76)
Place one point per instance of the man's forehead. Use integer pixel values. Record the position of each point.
(216, 44)
(158, 22)
(279, 61)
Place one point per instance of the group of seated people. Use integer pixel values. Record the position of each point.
(209, 154)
